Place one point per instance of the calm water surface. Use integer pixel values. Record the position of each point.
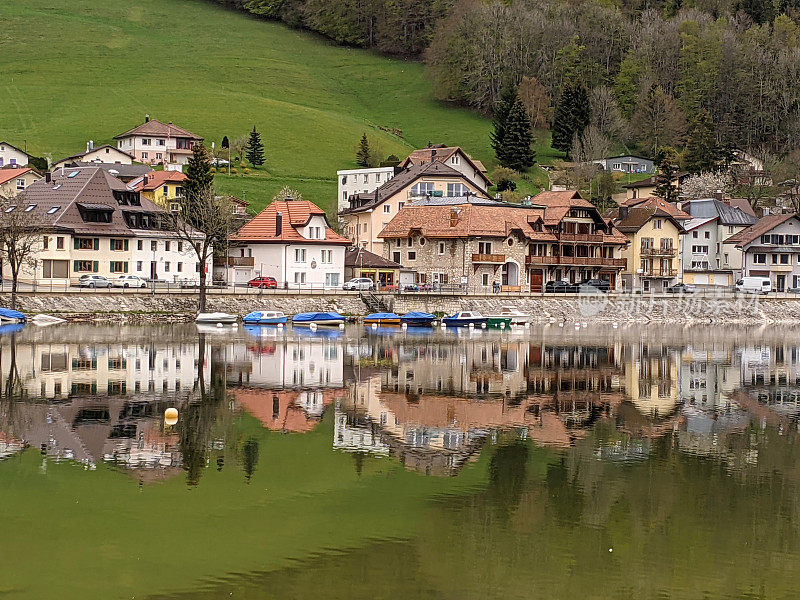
(546, 463)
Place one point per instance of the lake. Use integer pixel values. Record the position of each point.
(551, 462)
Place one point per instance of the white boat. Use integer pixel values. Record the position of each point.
(517, 316)
(44, 320)
(216, 317)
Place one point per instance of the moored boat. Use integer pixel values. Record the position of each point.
(318, 318)
(465, 318)
(417, 319)
(382, 318)
(498, 322)
(216, 317)
(517, 316)
(265, 317)
(12, 316)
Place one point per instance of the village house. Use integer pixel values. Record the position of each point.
(165, 188)
(291, 241)
(455, 158)
(368, 214)
(154, 142)
(485, 245)
(15, 180)
(652, 253)
(363, 263)
(12, 156)
(646, 188)
(361, 181)
(707, 259)
(93, 223)
(771, 248)
(101, 154)
(626, 164)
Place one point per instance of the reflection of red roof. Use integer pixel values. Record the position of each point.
(295, 215)
(9, 174)
(153, 181)
(283, 415)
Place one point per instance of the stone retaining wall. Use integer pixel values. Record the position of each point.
(744, 309)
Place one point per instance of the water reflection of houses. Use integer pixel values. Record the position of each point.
(770, 375)
(285, 383)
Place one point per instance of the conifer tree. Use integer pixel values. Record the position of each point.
(516, 152)
(363, 153)
(497, 137)
(702, 151)
(199, 177)
(225, 142)
(572, 115)
(255, 149)
(666, 186)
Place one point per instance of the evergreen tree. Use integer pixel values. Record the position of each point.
(255, 149)
(572, 116)
(225, 142)
(501, 112)
(516, 152)
(199, 177)
(666, 184)
(702, 151)
(363, 153)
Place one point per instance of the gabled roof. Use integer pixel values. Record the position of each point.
(88, 186)
(558, 204)
(153, 181)
(7, 175)
(698, 222)
(295, 214)
(157, 128)
(628, 156)
(752, 233)
(441, 153)
(402, 180)
(116, 169)
(728, 215)
(653, 181)
(80, 155)
(638, 216)
(653, 201)
(2, 143)
(358, 257)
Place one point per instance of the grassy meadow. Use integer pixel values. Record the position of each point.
(75, 70)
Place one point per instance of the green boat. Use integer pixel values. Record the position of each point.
(499, 323)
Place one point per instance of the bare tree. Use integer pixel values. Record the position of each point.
(20, 238)
(204, 222)
(706, 185)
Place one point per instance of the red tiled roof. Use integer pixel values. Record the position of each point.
(9, 174)
(752, 233)
(441, 154)
(295, 215)
(655, 202)
(156, 127)
(156, 179)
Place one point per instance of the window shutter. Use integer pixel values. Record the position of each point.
(97, 243)
(126, 247)
(125, 264)
(95, 266)
(75, 243)
(76, 266)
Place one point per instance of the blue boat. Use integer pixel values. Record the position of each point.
(465, 318)
(382, 318)
(418, 319)
(318, 318)
(12, 316)
(265, 317)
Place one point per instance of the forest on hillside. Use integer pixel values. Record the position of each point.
(653, 68)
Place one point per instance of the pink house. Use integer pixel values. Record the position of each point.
(154, 142)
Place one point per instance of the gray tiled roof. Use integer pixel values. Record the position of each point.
(710, 207)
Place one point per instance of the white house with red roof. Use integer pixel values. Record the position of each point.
(292, 241)
(154, 142)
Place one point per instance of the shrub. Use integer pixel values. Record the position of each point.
(233, 171)
(213, 169)
(246, 170)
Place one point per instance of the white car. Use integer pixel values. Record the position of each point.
(129, 281)
(359, 283)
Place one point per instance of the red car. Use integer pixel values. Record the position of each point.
(263, 283)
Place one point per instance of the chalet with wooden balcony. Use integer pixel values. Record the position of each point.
(652, 255)
(483, 245)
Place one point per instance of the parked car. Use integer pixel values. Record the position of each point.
(561, 287)
(600, 284)
(94, 281)
(359, 283)
(753, 285)
(680, 288)
(269, 283)
(411, 287)
(129, 281)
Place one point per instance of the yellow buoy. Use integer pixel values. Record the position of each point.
(171, 416)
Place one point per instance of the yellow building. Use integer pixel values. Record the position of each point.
(653, 254)
(13, 181)
(165, 188)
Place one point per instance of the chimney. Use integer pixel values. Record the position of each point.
(454, 216)
(48, 177)
(147, 118)
(719, 195)
(146, 179)
(278, 224)
(624, 211)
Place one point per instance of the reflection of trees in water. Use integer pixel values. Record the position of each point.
(13, 391)
(249, 457)
(507, 474)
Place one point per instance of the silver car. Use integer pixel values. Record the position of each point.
(359, 283)
(129, 281)
(94, 281)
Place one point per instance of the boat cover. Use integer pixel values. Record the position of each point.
(317, 316)
(7, 313)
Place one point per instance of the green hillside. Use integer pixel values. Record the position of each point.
(75, 70)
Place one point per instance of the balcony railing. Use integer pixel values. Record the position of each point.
(489, 258)
(648, 251)
(661, 273)
(576, 260)
(241, 261)
(580, 237)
